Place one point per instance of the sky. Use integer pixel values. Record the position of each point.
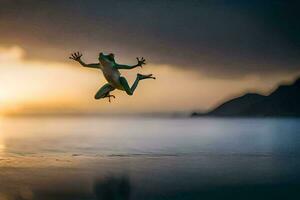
(202, 52)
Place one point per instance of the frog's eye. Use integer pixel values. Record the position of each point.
(111, 57)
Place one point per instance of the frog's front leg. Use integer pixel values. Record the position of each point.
(104, 91)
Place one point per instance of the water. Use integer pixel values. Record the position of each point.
(149, 158)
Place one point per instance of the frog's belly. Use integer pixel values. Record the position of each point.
(113, 79)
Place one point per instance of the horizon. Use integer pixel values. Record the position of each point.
(186, 113)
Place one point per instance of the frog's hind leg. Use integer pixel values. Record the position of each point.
(104, 91)
(130, 90)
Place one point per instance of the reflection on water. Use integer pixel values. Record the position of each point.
(97, 158)
(112, 188)
(108, 188)
(101, 136)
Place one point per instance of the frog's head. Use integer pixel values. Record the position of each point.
(106, 58)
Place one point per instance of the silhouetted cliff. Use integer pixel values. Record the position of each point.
(284, 101)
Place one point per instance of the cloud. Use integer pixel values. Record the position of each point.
(12, 53)
(221, 39)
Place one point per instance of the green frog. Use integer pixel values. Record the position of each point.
(110, 70)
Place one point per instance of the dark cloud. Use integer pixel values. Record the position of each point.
(215, 37)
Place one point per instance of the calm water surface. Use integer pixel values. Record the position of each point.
(149, 158)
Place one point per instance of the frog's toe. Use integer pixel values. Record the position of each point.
(109, 96)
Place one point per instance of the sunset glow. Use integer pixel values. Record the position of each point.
(43, 86)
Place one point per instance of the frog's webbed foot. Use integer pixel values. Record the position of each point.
(141, 76)
(109, 96)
